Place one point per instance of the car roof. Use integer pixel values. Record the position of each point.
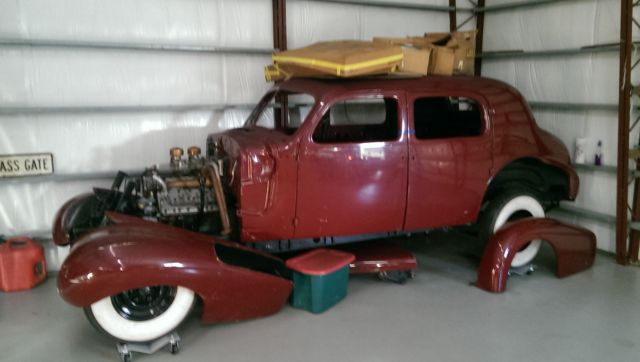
(319, 87)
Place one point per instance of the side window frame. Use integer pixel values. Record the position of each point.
(382, 95)
(483, 110)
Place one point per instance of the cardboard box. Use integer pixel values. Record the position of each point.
(417, 54)
(451, 53)
(410, 41)
(442, 61)
(343, 58)
(440, 39)
(465, 56)
(464, 45)
(433, 53)
(415, 61)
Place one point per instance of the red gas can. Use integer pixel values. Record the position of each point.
(22, 264)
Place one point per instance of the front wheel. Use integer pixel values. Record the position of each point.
(508, 207)
(140, 315)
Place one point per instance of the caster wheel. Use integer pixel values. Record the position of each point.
(531, 269)
(395, 276)
(174, 348)
(126, 357)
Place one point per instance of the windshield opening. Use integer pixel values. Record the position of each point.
(269, 112)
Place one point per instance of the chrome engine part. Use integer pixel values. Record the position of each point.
(185, 201)
(183, 191)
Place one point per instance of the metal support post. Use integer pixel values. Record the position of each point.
(279, 8)
(624, 109)
(452, 16)
(479, 38)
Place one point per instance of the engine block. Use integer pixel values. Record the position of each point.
(185, 201)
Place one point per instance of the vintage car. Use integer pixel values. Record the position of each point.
(317, 163)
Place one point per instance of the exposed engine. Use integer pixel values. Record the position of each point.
(183, 191)
(188, 195)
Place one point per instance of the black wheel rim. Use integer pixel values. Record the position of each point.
(144, 303)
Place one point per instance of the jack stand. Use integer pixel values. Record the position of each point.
(522, 270)
(125, 349)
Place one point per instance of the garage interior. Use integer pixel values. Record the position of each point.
(109, 86)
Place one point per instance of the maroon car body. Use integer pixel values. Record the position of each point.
(311, 185)
(290, 187)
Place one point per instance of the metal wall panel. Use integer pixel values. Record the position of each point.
(586, 78)
(245, 23)
(313, 21)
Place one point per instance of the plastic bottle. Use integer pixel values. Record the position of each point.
(598, 157)
(580, 156)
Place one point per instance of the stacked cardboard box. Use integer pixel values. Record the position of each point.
(450, 53)
(420, 55)
(463, 45)
(433, 53)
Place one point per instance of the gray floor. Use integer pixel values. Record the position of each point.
(438, 316)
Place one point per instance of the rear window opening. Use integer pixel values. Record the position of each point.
(446, 117)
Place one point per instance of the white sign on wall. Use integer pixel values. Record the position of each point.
(34, 164)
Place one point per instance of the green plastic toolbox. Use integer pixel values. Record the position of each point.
(320, 279)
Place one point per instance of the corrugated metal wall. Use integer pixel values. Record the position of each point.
(585, 78)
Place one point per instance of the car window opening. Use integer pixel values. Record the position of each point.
(269, 112)
(371, 119)
(446, 117)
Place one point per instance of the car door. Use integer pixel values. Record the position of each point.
(352, 170)
(450, 159)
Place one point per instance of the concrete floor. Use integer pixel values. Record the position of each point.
(438, 316)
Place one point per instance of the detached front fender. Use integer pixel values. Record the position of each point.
(77, 208)
(574, 247)
(124, 256)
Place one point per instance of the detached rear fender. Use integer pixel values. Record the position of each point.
(572, 176)
(136, 253)
(574, 247)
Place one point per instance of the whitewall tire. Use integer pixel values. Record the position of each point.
(511, 207)
(142, 315)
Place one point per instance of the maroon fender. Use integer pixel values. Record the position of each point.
(70, 210)
(133, 253)
(574, 247)
(572, 176)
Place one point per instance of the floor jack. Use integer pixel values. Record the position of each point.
(126, 349)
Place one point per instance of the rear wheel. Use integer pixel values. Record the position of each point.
(140, 315)
(512, 206)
